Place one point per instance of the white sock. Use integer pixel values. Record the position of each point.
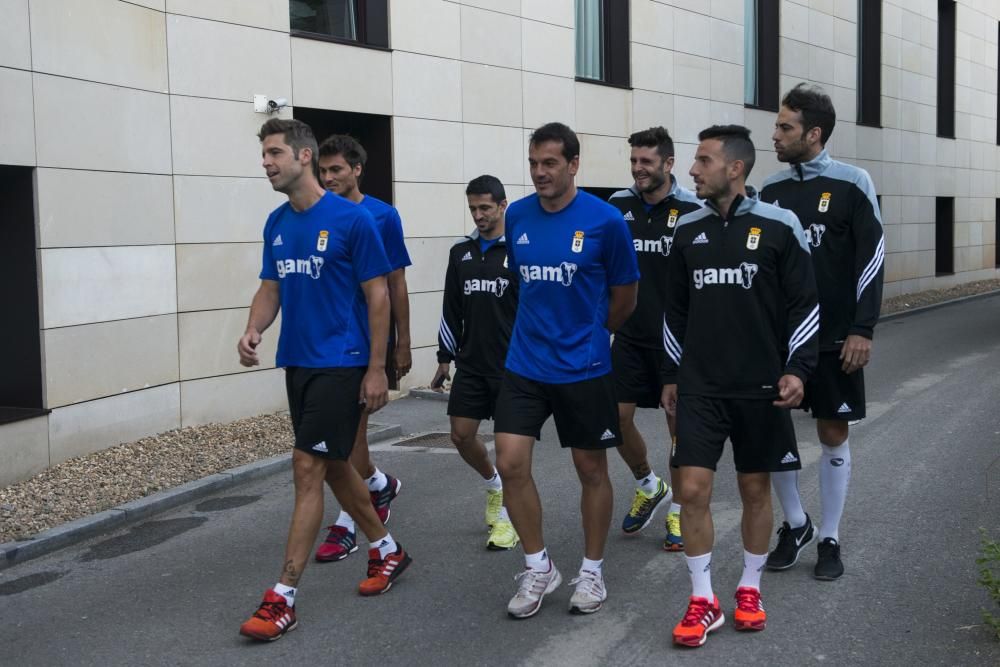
(493, 483)
(786, 486)
(753, 565)
(539, 561)
(377, 481)
(648, 484)
(286, 592)
(834, 476)
(503, 514)
(592, 565)
(345, 521)
(674, 509)
(700, 569)
(385, 546)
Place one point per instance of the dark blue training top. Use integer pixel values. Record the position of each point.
(390, 231)
(320, 257)
(566, 262)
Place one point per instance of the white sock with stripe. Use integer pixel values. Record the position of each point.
(286, 592)
(648, 484)
(786, 486)
(345, 521)
(377, 481)
(494, 483)
(700, 569)
(753, 565)
(385, 546)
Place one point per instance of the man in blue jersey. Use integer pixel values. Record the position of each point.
(324, 267)
(341, 163)
(577, 271)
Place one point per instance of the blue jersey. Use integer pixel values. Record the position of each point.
(565, 263)
(319, 258)
(390, 230)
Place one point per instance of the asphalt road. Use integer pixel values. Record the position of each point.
(926, 476)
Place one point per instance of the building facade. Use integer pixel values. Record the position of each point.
(133, 196)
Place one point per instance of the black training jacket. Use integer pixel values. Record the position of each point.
(742, 308)
(837, 208)
(480, 302)
(652, 233)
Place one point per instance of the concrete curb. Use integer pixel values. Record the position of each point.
(935, 306)
(73, 532)
(430, 394)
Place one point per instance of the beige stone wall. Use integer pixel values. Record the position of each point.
(150, 196)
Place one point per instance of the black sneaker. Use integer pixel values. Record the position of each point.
(791, 542)
(828, 565)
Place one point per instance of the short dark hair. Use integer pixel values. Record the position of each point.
(345, 146)
(487, 185)
(298, 135)
(561, 133)
(816, 108)
(736, 143)
(655, 137)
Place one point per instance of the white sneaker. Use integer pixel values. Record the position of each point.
(533, 585)
(590, 593)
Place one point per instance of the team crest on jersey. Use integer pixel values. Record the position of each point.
(824, 202)
(321, 242)
(753, 238)
(672, 220)
(577, 242)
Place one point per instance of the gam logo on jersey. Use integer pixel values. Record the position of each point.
(558, 274)
(495, 287)
(311, 267)
(742, 275)
(660, 245)
(814, 234)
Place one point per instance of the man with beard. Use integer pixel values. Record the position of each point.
(651, 208)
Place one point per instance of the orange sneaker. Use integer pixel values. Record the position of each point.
(382, 572)
(271, 620)
(701, 618)
(749, 614)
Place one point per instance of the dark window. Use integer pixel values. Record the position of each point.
(946, 69)
(603, 194)
(944, 246)
(20, 336)
(602, 42)
(870, 62)
(998, 88)
(352, 21)
(996, 236)
(760, 52)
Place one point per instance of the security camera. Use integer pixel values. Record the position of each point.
(274, 105)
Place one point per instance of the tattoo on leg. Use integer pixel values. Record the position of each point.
(641, 470)
(291, 573)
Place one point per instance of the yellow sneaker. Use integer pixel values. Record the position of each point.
(673, 540)
(494, 502)
(502, 536)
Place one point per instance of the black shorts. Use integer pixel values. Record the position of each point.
(762, 435)
(585, 412)
(473, 396)
(833, 394)
(637, 372)
(324, 407)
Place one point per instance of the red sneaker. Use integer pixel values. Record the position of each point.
(749, 614)
(271, 620)
(701, 618)
(381, 499)
(340, 543)
(382, 572)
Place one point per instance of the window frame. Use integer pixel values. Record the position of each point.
(767, 27)
(869, 72)
(947, 40)
(617, 46)
(372, 28)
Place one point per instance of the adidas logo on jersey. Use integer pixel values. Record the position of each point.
(466, 257)
(523, 239)
(607, 435)
(277, 240)
(629, 217)
(311, 267)
(660, 245)
(496, 287)
(321, 447)
(742, 275)
(789, 458)
(844, 407)
(559, 274)
(700, 239)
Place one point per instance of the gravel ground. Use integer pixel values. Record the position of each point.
(90, 484)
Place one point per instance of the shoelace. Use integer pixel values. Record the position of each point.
(336, 534)
(270, 610)
(696, 611)
(674, 524)
(494, 502)
(588, 582)
(374, 566)
(639, 502)
(531, 582)
(748, 601)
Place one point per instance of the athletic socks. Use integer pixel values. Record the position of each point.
(385, 546)
(345, 521)
(834, 476)
(286, 592)
(700, 569)
(648, 483)
(493, 483)
(538, 561)
(377, 481)
(592, 565)
(753, 565)
(674, 509)
(786, 486)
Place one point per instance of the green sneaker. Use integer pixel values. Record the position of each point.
(673, 540)
(502, 537)
(644, 507)
(494, 502)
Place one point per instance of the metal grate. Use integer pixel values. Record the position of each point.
(435, 440)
